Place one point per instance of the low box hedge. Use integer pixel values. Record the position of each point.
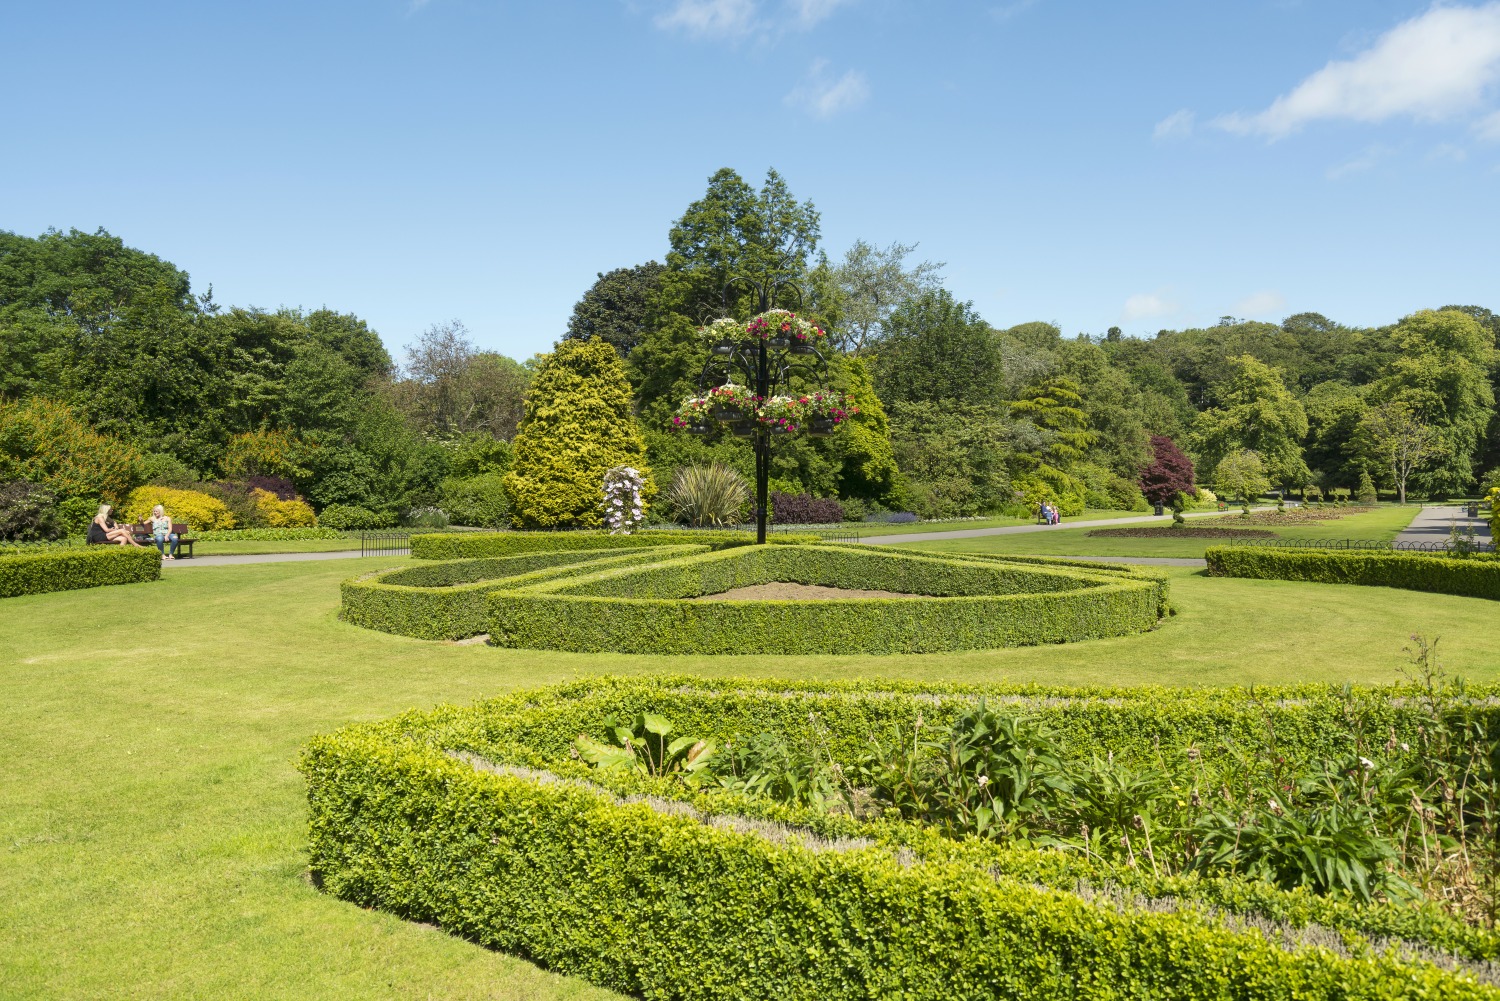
(446, 600)
(1476, 576)
(474, 545)
(72, 569)
(476, 820)
(959, 604)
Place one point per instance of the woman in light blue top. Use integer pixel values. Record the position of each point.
(161, 531)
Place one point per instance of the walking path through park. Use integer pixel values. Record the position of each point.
(882, 540)
(1435, 523)
(975, 533)
(228, 561)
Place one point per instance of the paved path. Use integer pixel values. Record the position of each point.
(975, 533)
(1435, 523)
(229, 561)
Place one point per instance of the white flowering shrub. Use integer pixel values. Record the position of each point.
(624, 509)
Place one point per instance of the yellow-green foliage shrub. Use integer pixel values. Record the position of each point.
(45, 442)
(278, 513)
(578, 424)
(189, 507)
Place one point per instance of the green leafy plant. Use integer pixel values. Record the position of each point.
(643, 747)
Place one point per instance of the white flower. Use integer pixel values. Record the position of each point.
(1369, 765)
(984, 780)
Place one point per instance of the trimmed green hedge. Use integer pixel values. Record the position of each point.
(446, 600)
(701, 897)
(71, 569)
(474, 545)
(630, 600)
(966, 605)
(1475, 576)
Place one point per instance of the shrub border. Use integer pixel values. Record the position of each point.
(658, 900)
(75, 569)
(1473, 576)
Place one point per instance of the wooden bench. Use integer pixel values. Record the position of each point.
(142, 533)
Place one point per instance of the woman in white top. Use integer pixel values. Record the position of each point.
(162, 534)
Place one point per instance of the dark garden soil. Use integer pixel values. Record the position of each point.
(1167, 532)
(785, 591)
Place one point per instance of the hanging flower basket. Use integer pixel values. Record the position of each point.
(731, 404)
(822, 427)
(825, 411)
(781, 328)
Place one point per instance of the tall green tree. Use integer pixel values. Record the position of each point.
(937, 348)
(618, 307)
(1254, 411)
(1443, 377)
(578, 423)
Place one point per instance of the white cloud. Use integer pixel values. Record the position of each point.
(808, 13)
(1435, 66)
(1448, 151)
(1488, 128)
(1260, 304)
(1366, 160)
(1177, 125)
(710, 18)
(1145, 306)
(823, 97)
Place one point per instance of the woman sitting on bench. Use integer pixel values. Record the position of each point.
(103, 530)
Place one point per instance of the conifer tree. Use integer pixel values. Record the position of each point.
(578, 424)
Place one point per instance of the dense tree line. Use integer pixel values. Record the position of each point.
(956, 416)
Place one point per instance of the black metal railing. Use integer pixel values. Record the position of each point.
(385, 543)
(1445, 546)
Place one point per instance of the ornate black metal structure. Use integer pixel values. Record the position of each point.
(766, 364)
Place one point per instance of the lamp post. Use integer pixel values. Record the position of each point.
(765, 366)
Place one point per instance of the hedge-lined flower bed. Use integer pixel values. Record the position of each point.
(483, 821)
(1474, 576)
(73, 569)
(956, 604)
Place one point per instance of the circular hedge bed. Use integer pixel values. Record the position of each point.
(638, 600)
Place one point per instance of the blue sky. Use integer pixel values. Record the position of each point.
(1151, 164)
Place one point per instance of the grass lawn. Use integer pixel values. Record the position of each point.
(1380, 525)
(152, 823)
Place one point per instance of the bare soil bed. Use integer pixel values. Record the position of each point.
(1167, 532)
(787, 591)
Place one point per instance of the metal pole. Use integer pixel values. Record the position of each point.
(762, 448)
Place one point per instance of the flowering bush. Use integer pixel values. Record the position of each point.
(279, 513)
(623, 506)
(190, 507)
(785, 323)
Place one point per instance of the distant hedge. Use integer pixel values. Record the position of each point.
(473, 545)
(73, 569)
(476, 820)
(955, 604)
(1474, 576)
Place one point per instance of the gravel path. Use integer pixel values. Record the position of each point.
(975, 533)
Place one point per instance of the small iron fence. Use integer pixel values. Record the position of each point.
(1445, 546)
(384, 543)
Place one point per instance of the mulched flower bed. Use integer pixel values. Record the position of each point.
(786, 591)
(1167, 532)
